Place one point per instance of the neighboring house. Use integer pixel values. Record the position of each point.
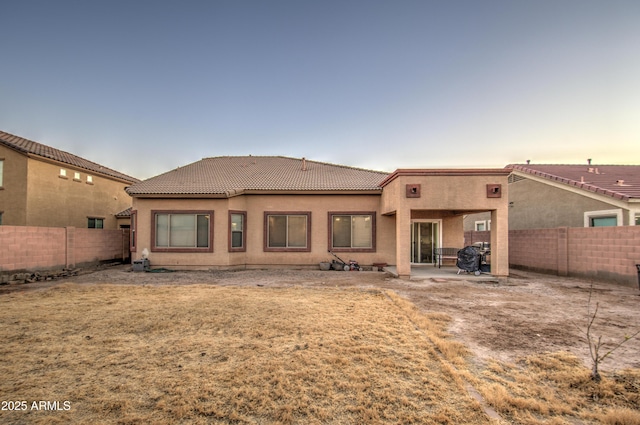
(550, 195)
(250, 212)
(547, 196)
(44, 186)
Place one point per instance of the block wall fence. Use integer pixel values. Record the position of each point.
(600, 253)
(44, 248)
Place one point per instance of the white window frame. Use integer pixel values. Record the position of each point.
(486, 223)
(588, 215)
(1, 170)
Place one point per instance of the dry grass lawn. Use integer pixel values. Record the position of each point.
(273, 355)
(206, 354)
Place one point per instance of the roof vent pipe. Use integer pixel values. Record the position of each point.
(589, 161)
(304, 164)
(528, 161)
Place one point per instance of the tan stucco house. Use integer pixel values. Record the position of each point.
(44, 186)
(269, 211)
(574, 195)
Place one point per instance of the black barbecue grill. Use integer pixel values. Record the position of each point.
(471, 260)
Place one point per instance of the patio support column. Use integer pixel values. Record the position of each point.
(403, 243)
(500, 242)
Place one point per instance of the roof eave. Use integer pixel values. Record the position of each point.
(448, 172)
(236, 192)
(67, 165)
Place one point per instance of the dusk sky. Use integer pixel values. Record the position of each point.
(146, 86)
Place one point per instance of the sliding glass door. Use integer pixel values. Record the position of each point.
(425, 238)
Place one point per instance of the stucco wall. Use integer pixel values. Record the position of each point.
(13, 195)
(55, 201)
(255, 206)
(536, 205)
(447, 192)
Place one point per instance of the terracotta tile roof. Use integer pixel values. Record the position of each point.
(617, 181)
(230, 175)
(125, 213)
(27, 146)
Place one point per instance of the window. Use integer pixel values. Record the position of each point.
(352, 231)
(90, 179)
(96, 223)
(237, 230)
(287, 231)
(63, 173)
(483, 225)
(1, 218)
(76, 176)
(1, 170)
(603, 221)
(637, 219)
(182, 231)
(603, 218)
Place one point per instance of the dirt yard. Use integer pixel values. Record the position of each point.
(530, 313)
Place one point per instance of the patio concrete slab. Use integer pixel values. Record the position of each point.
(424, 272)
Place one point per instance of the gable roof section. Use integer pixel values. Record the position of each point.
(616, 181)
(29, 147)
(226, 176)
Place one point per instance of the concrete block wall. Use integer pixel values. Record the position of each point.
(40, 248)
(93, 245)
(26, 248)
(534, 249)
(601, 253)
(473, 236)
(605, 253)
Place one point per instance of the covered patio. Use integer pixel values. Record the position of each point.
(428, 207)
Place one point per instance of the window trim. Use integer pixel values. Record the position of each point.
(133, 231)
(330, 246)
(2, 173)
(243, 248)
(155, 248)
(588, 215)
(486, 223)
(266, 246)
